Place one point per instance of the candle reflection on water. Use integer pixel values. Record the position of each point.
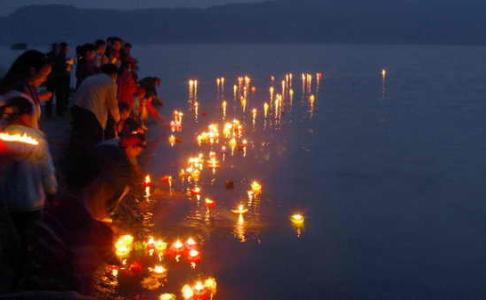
(240, 229)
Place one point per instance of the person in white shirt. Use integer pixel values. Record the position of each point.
(94, 102)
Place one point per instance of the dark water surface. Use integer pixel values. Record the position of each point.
(389, 175)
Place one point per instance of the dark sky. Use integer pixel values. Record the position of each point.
(8, 6)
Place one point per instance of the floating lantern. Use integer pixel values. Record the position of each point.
(196, 191)
(194, 255)
(114, 272)
(160, 246)
(18, 138)
(147, 181)
(256, 188)
(265, 109)
(190, 243)
(167, 296)
(211, 285)
(187, 292)
(177, 247)
(209, 203)
(158, 271)
(124, 245)
(241, 209)
(383, 73)
(172, 140)
(297, 219)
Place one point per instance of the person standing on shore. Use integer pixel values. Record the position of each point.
(94, 102)
(101, 58)
(28, 178)
(86, 63)
(60, 79)
(28, 72)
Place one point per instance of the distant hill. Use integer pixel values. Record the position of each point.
(281, 21)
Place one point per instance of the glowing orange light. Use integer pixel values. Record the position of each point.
(172, 140)
(167, 296)
(194, 255)
(124, 245)
(256, 187)
(187, 292)
(177, 246)
(297, 219)
(18, 138)
(209, 203)
(241, 209)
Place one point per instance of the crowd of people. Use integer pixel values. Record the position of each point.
(57, 219)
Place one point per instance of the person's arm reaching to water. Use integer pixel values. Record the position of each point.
(112, 103)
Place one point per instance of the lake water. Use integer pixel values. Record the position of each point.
(390, 173)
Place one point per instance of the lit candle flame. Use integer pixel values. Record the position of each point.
(297, 219)
(167, 296)
(172, 140)
(124, 245)
(18, 138)
(256, 188)
(158, 269)
(187, 292)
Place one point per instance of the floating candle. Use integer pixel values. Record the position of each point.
(160, 246)
(211, 285)
(297, 219)
(194, 255)
(256, 188)
(158, 270)
(241, 209)
(167, 296)
(190, 243)
(196, 191)
(187, 291)
(124, 245)
(172, 140)
(209, 203)
(147, 181)
(177, 246)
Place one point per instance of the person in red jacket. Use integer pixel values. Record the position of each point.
(127, 84)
